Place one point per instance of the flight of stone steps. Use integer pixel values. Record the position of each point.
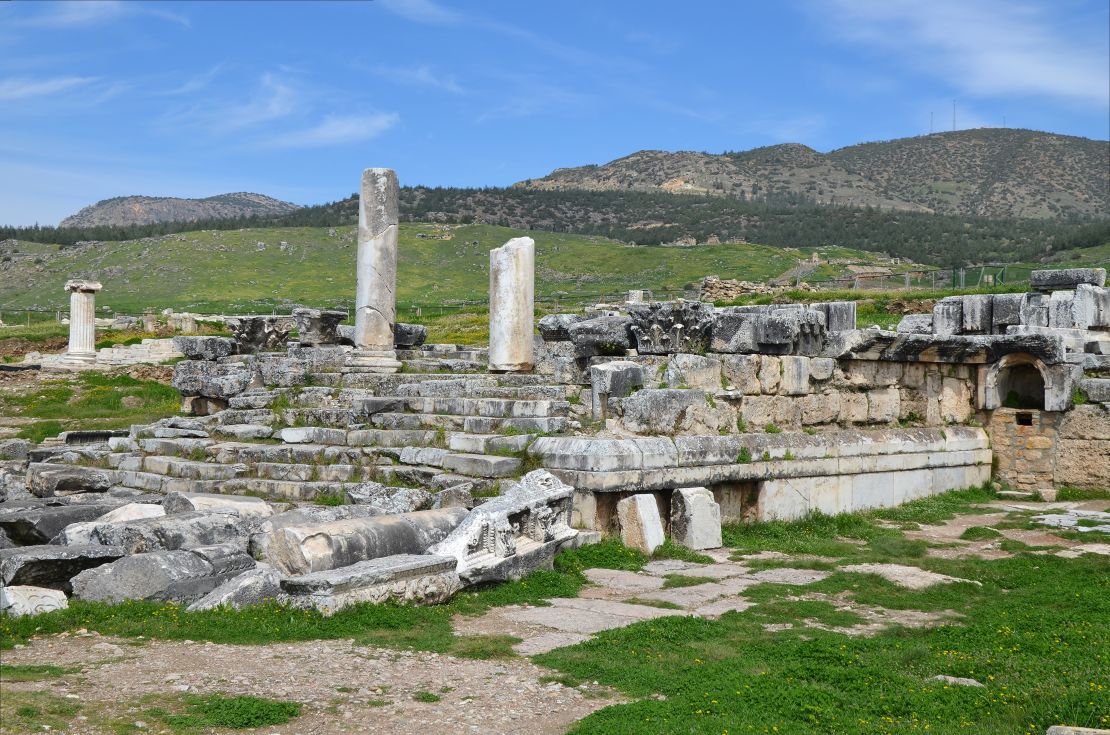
(427, 430)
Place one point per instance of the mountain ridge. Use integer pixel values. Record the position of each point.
(141, 209)
(984, 172)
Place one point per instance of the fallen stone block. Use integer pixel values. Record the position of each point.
(212, 379)
(318, 326)
(205, 348)
(641, 527)
(409, 335)
(76, 534)
(915, 324)
(243, 432)
(514, 534)
(252, 587)
(245, 506)
(49, 480)
(670, 327)
(556, 327)
(386, 500)
(14, 449)
(316, 548)
(52, 566)
(176, 575)
(181, 531)
(19, 600)
(605, 335)
(420, 579)
(309, 515)
(1066, 278)
(482, 465)
(695, 518)
(40, 524)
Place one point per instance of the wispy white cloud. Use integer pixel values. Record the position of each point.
(424, 75)
(987, 48)
(80, 13)
(274, 98)
(23, 88)
(335, 130)
(422, 11)
(196, 83)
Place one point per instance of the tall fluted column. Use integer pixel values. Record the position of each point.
(376, 273)
(82, 321)
(512, 304)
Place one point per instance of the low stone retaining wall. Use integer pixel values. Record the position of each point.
(769, 476)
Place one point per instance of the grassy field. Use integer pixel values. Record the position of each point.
(1033, 628)
(259, 269)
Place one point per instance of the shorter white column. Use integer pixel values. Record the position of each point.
(512, 305)
(82, 321)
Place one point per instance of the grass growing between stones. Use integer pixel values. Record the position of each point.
(1036, 633)
(30, 672)
(199, 713)
(90, 400)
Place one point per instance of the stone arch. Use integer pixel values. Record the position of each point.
(1020, 380)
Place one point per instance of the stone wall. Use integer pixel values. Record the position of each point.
(1036, 451)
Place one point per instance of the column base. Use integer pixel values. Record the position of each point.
(382, 362)
(78, 359)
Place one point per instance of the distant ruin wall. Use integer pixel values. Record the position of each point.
(1036, 450)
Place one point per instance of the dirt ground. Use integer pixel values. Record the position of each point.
(342, 687)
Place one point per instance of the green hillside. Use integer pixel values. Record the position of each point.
(251, 270)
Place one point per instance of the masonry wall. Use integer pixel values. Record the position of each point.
(1039, 450)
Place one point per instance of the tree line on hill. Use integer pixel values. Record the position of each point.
(652, 218)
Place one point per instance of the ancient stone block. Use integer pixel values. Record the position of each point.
(641, 527)
(260, 333)
(695, 518)
(20, 600)
(181, 531)
(795, 375)
(605, 335)
(1066, 278)
(313, 548)
(76, 534)
(556, 327)
(252, 587)
(50, 480)
(389, 500)
(244, 506)
(741, 372)
(671, 327)
(407, 336)
(509, 536)
(318, 326)
(212, 379)
(693, 371)
(49, 565)
(176, 575)
(770, 374)
(616, 379)
(883, 405)
(977, 314)
(948, 316)
(915, 324)
(39, 524)
(205, 348)
(421, 579)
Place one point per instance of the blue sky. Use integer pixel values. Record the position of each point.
(101, 99)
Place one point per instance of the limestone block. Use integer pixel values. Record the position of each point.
(14, 449)
(490, 547)
(20, 600)
(693, 371)
(212, 379)
(244, 506)
(955, 401)
(556, 327)
(177, 575)
(770, 374)
(853, 408)
(821, 368)
(1034, 310)
(741, 372)
(672, 327)
(76, 534)
(605, 335)
(734, 332)
(795, 375)
(662, 411)
(304, 516)
(758, 411)
(252, 587)
(883, 405)
(205, 348)
(313, 435)
(1066, 278)
(408, 336)
(420, 579)
(39, 524)
(1095, 303)
(612, 380)
(313, 548)
(948, 316)
(51, 480)
(1006, 311)
(180, 531)
(1061, 311)
(318, 326)
(820, 408)
(695, 518)
(915, 324)
(977, 314)
(50, 565)
(387, 500)
(641, 527)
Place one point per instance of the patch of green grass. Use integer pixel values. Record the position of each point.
(1036, 633)
(40, 430)
(817, 534)
(1080, 494)
(670, 550)
(30, 711)
(378, 703)
(426, 697)
(484, 646)
(329, 499)
(979, 533)
(653, 603)
(772, 429)
(610, 553)
(196, 713)
(31, 672)
(672, 581)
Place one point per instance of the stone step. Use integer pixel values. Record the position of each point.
(455, 353)
(310, 472)
(391, 437)
(190, 469)
(245, 416)
(239, 452)
(457, 367)
(488, 443)
(490, 407)
(387, 384)
(329, 416)
(469, 424)
(314, 435)
(482, 465)
(485, 387)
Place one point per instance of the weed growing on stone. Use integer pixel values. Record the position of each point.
(426, 697)
(979, 533)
